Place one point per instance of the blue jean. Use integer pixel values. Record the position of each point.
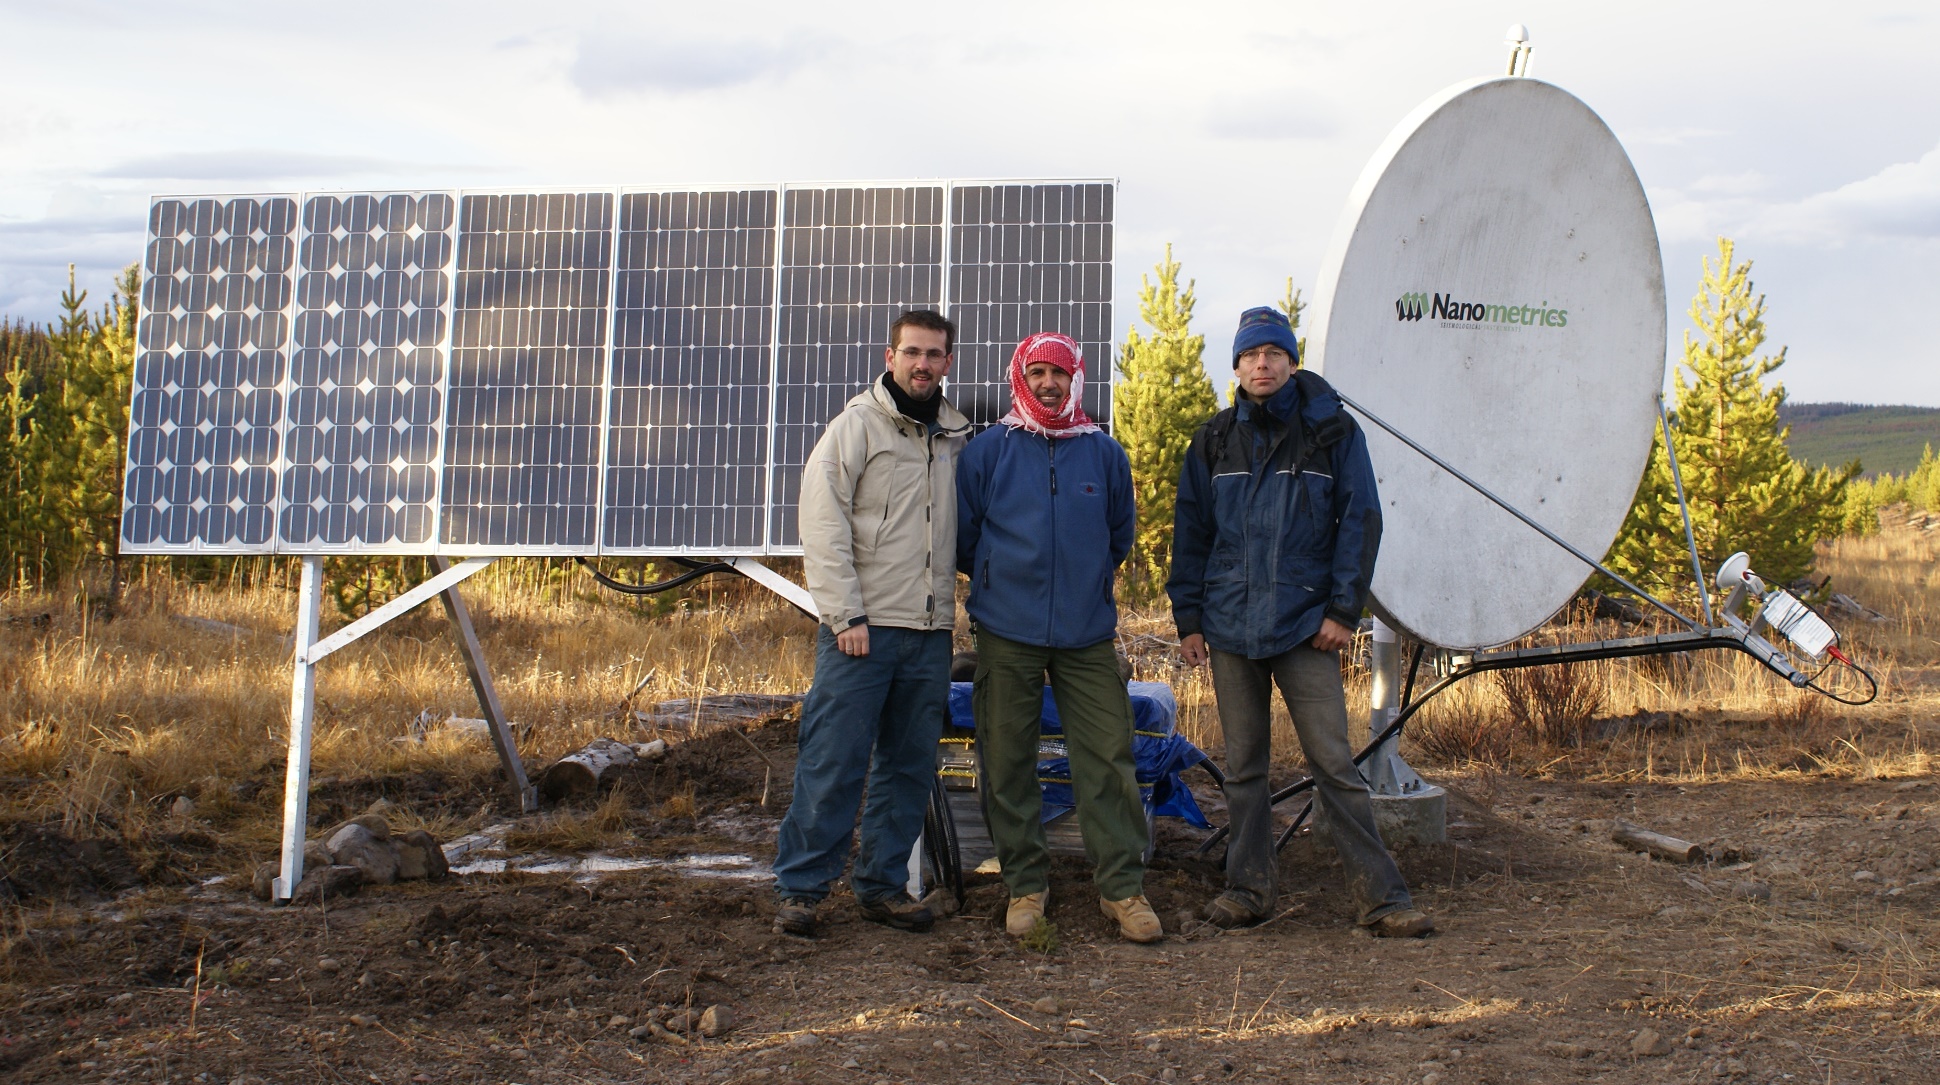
(871, 720)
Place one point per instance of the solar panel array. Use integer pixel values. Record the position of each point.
(634, 372)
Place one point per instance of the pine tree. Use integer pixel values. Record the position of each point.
(1161, 396)
(1292, 306)
(1744, 489)
(97, 392)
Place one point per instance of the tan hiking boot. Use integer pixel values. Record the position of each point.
(1406, 923)
(1024, 912)
(1137, 922)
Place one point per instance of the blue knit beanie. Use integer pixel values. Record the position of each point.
(1262, 327)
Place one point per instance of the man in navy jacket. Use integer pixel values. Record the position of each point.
(1044, 517)
(1274, 539)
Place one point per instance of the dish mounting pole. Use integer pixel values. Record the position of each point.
(1411, 809)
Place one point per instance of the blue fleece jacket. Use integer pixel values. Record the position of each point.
(1042, 526)
(1277, 523)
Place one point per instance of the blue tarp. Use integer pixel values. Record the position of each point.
(1160, 752)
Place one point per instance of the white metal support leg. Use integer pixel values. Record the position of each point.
(303, 703)
(916, 869)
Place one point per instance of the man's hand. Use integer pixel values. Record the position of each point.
(854, 641)
(1333, 636)
(1192, 650)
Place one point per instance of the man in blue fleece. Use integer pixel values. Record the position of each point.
(1044, 517)
(1274, 539)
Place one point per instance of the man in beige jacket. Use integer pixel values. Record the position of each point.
(879, 524)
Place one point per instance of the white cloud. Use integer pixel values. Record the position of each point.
(1276, 117)
(1667, 137)
(1732, 184)
(608, 63)
(1901, 201)
(246, 164)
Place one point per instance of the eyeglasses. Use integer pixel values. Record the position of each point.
(911, 354)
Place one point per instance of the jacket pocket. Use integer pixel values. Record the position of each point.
(1318, 492)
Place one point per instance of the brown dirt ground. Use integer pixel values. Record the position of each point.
(1555, 948)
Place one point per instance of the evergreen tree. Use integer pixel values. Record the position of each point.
(95, 402)
(1292, 306)
(1744, 489)
(66, 426)
(1161, 396)
(19, 477)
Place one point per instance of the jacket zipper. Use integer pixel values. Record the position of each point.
(1050, 616)
(929, 522)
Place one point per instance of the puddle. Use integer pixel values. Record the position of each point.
(589, 868)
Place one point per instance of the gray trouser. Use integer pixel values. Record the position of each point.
(1309, 680)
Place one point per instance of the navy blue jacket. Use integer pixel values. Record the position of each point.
(1277, 523)
(1042, 526)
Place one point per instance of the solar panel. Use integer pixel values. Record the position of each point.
(367, 373)
(693, 341)
(852, 261)
(528, 360)
(426, 372)
(203, 435)
(1027, 259)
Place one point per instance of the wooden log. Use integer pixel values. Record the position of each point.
(579, 773)
(1668, 848)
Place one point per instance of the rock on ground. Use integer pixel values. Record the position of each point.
(419, 855)
(718, 1020)
(355, 845)
(327, 883)
(1648, 1042)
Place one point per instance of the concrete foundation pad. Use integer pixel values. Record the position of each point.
(1419, 817)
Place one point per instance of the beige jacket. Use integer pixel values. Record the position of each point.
(879, 516)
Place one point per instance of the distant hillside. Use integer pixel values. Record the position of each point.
(1880, 438)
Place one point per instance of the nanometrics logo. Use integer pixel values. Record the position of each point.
(1444, 307)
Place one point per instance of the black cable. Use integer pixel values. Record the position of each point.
(1414, 664)
(1871, 682)
(695, 570)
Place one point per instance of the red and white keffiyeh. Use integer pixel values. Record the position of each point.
(1025, 411)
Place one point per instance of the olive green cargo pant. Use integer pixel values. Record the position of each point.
(1096, 712)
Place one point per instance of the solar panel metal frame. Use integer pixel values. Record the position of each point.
(1101, 370)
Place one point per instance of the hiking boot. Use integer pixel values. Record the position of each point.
(1406, 923)
(796, 916)
(897, 911)
(1227, 912)
(1024, 912)
(1137, 922)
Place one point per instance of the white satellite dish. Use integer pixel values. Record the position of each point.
(1495, 292)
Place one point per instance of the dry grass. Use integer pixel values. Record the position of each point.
(1704, 716)
(105, 724)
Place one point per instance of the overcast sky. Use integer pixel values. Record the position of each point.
(1809, 134)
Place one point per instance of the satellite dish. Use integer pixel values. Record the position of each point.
(1495, 291)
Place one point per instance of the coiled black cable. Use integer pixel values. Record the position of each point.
(695, 570)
